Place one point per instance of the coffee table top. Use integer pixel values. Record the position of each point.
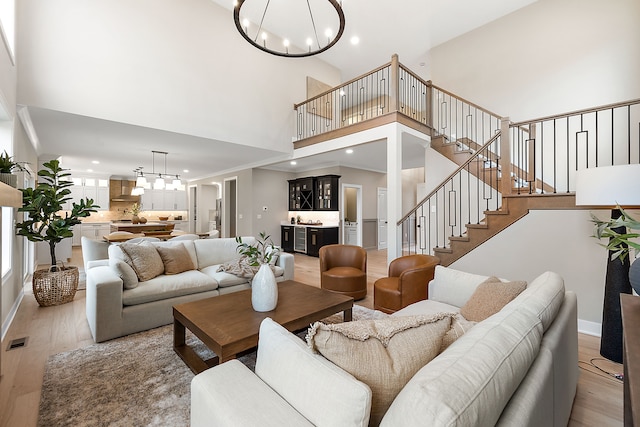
(228, 322)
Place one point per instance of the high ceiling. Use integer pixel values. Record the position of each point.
(378, 24)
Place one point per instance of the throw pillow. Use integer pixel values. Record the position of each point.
(489, 298)
(176, 259)
(124, 272)
(459, 326)
(144, 259)
(384, 353)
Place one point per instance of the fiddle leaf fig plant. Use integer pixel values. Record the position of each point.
(43, 205)
(620, 244)
(261, 253)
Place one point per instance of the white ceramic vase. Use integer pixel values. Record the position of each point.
(264, 289)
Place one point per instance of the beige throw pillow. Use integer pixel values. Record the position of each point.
(144, 259)
(489, 298)
(384, 353)
(176, 259)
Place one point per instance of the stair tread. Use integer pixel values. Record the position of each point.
(481, 225)
(459, 238)
(443, 250)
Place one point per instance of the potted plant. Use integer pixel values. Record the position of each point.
(621, 244)
(7, 168)
(264, 289)
(43, 223)
(135, 209)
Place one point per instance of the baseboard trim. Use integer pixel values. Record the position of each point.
(589, 328)
(12, 313)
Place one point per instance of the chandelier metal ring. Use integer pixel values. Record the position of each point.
(310, 52)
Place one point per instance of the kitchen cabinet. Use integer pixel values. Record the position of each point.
(164, 200)
(286, 238)
(96, 189)
(301, 194)
(96, 230)
(326, 193)
(77, 234)
(314, 193)
(319, 237)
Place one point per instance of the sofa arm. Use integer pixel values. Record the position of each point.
(103, 302)
(231, 395)
(97, 263)
(286, 260)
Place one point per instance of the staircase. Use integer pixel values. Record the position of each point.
(474, 203)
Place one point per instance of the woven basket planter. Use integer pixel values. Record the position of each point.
(55, 287)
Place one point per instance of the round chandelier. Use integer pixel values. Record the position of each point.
(290, 28)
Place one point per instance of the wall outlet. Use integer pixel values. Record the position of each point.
(259, 216)
(239, 216)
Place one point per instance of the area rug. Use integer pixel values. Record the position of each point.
(137, 380)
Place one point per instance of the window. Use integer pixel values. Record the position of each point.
(7, 212)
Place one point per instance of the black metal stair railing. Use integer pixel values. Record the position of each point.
(546, 152)
(461, 199)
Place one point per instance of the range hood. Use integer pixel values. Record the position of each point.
(120, 191)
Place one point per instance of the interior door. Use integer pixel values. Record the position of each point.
(382, 218)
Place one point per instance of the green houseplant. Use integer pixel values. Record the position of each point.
(264, 288)
(43, 223)
(7, 168)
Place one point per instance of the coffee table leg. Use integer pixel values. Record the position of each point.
(348, 315)
(179, 334)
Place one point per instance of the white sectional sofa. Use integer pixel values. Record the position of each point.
(114, 308)
(518, 367)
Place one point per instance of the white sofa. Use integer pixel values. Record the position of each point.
(113, 311)
(519, 367)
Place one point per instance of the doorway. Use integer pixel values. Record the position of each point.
(230, 207)
(193, 209)
(382, 218)
(351, 214)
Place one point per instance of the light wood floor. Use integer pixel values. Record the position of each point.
(52, 330)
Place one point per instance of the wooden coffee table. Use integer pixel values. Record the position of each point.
(228, 325)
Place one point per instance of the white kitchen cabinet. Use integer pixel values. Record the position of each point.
(77, 234)
(95, 230)
(96, 189)
(164, 200)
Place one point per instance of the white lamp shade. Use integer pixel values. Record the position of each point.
(158, 184)
(608, 186)
(141, 181)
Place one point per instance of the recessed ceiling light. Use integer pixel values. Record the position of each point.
(293, 163)
(355, 40)
(185, 170)
(89, 170)
(349, 151)
(95, 162)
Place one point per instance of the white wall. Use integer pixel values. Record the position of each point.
(553, 56)
(173, 65)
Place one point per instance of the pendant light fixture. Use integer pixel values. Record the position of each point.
(290, 29)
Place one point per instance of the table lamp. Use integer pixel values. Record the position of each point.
(611, 186)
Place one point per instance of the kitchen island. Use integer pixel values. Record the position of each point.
(149, 229)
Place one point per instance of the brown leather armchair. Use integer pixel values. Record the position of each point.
(343, 269)
(407, 283)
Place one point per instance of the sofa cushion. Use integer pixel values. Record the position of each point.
(322, 392)
(543, 297)
(471, 382)
(176, 259)
(459, 327)
(217, 251)
(163, 287)
(144, 259)
(489, 298)
(124, 272)
(427, 306)
(453, 287)
(384, 354)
